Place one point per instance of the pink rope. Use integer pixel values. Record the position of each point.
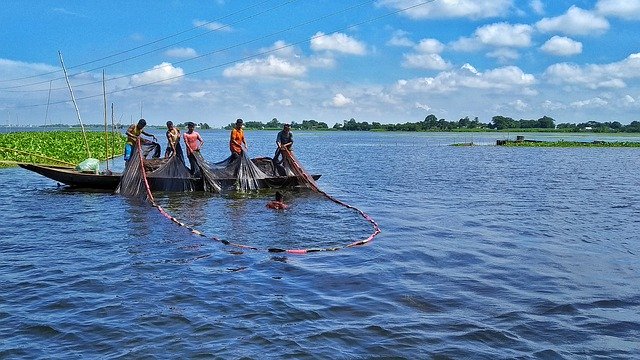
(304, 176)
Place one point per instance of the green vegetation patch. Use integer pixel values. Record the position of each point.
(58, 147)
(567, 144)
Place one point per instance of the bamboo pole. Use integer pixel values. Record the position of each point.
(113, 133)
(46, 113)
(86, 142)
(106, 134)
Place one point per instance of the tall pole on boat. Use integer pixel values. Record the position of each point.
(113, 134)
(106, 134)
(86, 143)
(46, 113)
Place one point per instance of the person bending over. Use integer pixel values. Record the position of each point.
(173, 142)
(284, 140)
(133, 132)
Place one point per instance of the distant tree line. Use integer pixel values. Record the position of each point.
(432, 123)
(274, 124)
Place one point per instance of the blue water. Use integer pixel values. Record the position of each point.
(486, 252)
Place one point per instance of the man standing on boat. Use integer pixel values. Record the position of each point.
(173, 142)
(194, 142)
(237, 141)
(284, 140)
(133, 132)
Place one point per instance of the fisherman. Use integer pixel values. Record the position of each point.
(194, 142)
(173, 142)
(284, 140)
(237, 141)
(278, 203)
(133, 132)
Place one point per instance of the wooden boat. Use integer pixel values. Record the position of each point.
(70, 177)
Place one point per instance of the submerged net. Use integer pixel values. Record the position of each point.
(139, 173)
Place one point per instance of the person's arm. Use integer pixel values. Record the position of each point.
(186, 143)
(201, 142)
(288, 145)
(152, 136)
(129, 132)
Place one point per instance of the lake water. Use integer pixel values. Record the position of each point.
(486, 252)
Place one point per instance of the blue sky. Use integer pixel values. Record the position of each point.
(388, 61)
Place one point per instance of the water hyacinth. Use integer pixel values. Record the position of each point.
(58, 147)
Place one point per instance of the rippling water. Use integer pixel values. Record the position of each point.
(485, 252)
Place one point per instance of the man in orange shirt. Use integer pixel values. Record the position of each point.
(237, 141)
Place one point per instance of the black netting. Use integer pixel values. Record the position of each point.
(132, 180)
(237, 172)
(210, 181)
(171, 175)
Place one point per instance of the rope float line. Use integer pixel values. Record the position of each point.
(305, 177)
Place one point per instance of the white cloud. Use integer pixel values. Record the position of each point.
(466, 44)
(501, 35)
(424, 107)
(575, 21)
(337, 42)
(475, 9)
(272, 66)
(212, 25)
(281, 49)
(553, 105)
(285, 102)
(519, 105)
(596, 102)
(321, 62)
(595, 76)
(537, 6)
(181, 53)
(162, 74)
(429, 46)
(504, 54)
(340, 100)
(562, 46)
(626, 9)
(629, 99)
(425, 61)
(505, 35)
(400, 38)
(500, 79)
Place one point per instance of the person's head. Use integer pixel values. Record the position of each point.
(239, 124)
(286, 127)
(190, 126)
(141, 123)
(278, 196)
(169, 124)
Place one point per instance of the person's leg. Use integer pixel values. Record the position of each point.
(192, 163)
(128, 150)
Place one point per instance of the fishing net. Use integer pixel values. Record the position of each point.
(210, 181)
(161, 174)
(239, 170)
(132, 182)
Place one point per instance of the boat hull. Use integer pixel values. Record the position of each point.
(72, 178)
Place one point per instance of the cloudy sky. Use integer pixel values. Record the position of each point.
(388, 61)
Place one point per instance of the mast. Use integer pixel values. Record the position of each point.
(106, 134)
(86, 143)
